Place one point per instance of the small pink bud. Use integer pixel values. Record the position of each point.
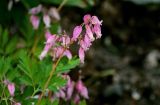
(97, 30)
(76, 32)
(47, 21)
(81, 55)
(11, 88)
(95, 20)
(36, 10)
(87, 18)
(82, 90)
(89, 32)
(35, 21)
(76, 99)
(17, 103)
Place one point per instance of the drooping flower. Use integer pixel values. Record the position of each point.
(81, 55)
(69, 88)
(36, 10)
(82, 90)
(17, 103)
(76, 99)
(95, 20)
(97, 31)
(89, 32)
(11, 88)
(47, 20)
(47, 34)
(87, 18)
(54, 13)
(35, 21)
(76, 32)
(87, 41)
(65, 39)
(51, 40)
(68, 54)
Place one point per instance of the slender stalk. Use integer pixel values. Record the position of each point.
(61, 5)
(50, 76)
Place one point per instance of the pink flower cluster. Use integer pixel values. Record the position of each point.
(72, 90)
(47, 15)
(59, 44)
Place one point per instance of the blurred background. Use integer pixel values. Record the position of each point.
(121, 68)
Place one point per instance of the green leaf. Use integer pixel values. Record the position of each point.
(55, 102)
(83, 102)
(25, 80)
(56, 83)
(65, 66)
(11, 46)
(12, 74)
(24, 24)
(4, 66)
(4, 37)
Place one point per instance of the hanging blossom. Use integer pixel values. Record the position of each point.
(84, 34)
(10, 86)
(72, 91)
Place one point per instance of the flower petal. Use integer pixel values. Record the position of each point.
(76, 32)
(81, 55)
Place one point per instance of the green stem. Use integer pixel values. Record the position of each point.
(50, 76)
(61, 5)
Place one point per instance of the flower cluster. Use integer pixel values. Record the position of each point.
(78, 88)
(59, 44)
(48, 15)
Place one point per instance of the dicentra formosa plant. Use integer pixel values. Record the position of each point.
(59, 45)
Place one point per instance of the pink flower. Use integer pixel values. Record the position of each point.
(68, 54)
(89, 32)
(76, 32)
(97, 31)
(76, 99)
(47, 34)
(95, 20)
(82, 90)
(43, 54)
(11, 88)
(36, 10)
(47, 21)
(35, 21)
(70, 88)
(81, 55)
(65, 40)
(85, 43)
(49, 44)
(87, 18)
(60, 94)
(58, 51)
(17, 103)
